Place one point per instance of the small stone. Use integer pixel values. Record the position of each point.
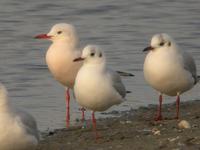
(128, 121)
(194, 126)
(155, 131)
(183, 124)
(173, 139)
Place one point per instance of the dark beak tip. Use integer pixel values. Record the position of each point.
(78, 59)
(36, 37)
(148, 49)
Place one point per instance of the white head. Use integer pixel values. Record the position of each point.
(160, 41)
(92, 54)
(61, 32)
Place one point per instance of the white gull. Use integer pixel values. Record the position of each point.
(60, 56)
(168, 69)
(97, 88)
(18, 128)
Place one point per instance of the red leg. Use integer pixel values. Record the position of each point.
(83, 114)
(84, 124)
(177, 106)
(67, 108)
(159, 113)
(94, 125)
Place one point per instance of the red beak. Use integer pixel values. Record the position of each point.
(42, 36)
(78, 59)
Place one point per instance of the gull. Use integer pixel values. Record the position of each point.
(59, 58)
(169, 69)
(18, 129)
(97, 88)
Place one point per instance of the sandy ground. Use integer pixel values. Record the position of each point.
(134, 130)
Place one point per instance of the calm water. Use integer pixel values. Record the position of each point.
(123, 29)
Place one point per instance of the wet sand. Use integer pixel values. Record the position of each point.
(134, 130)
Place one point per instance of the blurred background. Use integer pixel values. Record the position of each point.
(122, 28)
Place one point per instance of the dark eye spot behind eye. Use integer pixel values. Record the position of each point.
(59, 32)
(162, 43)
(169, 44)
(92, 54)
(100, 55)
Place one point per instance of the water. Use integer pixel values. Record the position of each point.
(122, 28)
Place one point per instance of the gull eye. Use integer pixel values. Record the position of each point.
(59, 32)
(162, 43)
(169, 44)
(92, 54)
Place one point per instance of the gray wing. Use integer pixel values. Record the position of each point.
(29, 122)
(190, 65)
(117, 83)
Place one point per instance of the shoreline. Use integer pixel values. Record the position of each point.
(134, 129)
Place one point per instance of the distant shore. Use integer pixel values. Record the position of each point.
(134, 130)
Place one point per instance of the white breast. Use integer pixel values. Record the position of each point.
(59, 59)
(164, 71)
(93, 90)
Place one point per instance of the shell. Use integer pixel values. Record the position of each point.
(183, 124)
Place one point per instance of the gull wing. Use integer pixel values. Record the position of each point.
(117, 83)
(190, 65)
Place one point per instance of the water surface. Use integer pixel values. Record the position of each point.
(122, 28)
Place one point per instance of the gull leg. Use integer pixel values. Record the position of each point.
(83, 117)
(67, 108)
(177, 106)
(94, 125)
(159, 113)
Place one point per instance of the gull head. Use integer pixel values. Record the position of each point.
(160, 41)
(61, 32)
(92, 54)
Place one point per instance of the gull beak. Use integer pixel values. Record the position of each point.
(148, 49)
(78, 59)
(42, 36)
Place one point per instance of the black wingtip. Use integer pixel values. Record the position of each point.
(125, 74)
(198, 78)
(127, 92)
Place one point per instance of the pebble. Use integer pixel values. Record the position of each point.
(173, 139)
(125, 122)
(155, 131)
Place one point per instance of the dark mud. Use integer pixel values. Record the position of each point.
(134, 130)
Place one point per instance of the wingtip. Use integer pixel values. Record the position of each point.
(125, 74)
(198, 78)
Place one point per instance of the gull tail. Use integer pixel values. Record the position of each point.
(125, 74)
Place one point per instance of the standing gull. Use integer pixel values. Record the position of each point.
(60, 56)
(97, 88)
(18, 129)
(168, 69)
